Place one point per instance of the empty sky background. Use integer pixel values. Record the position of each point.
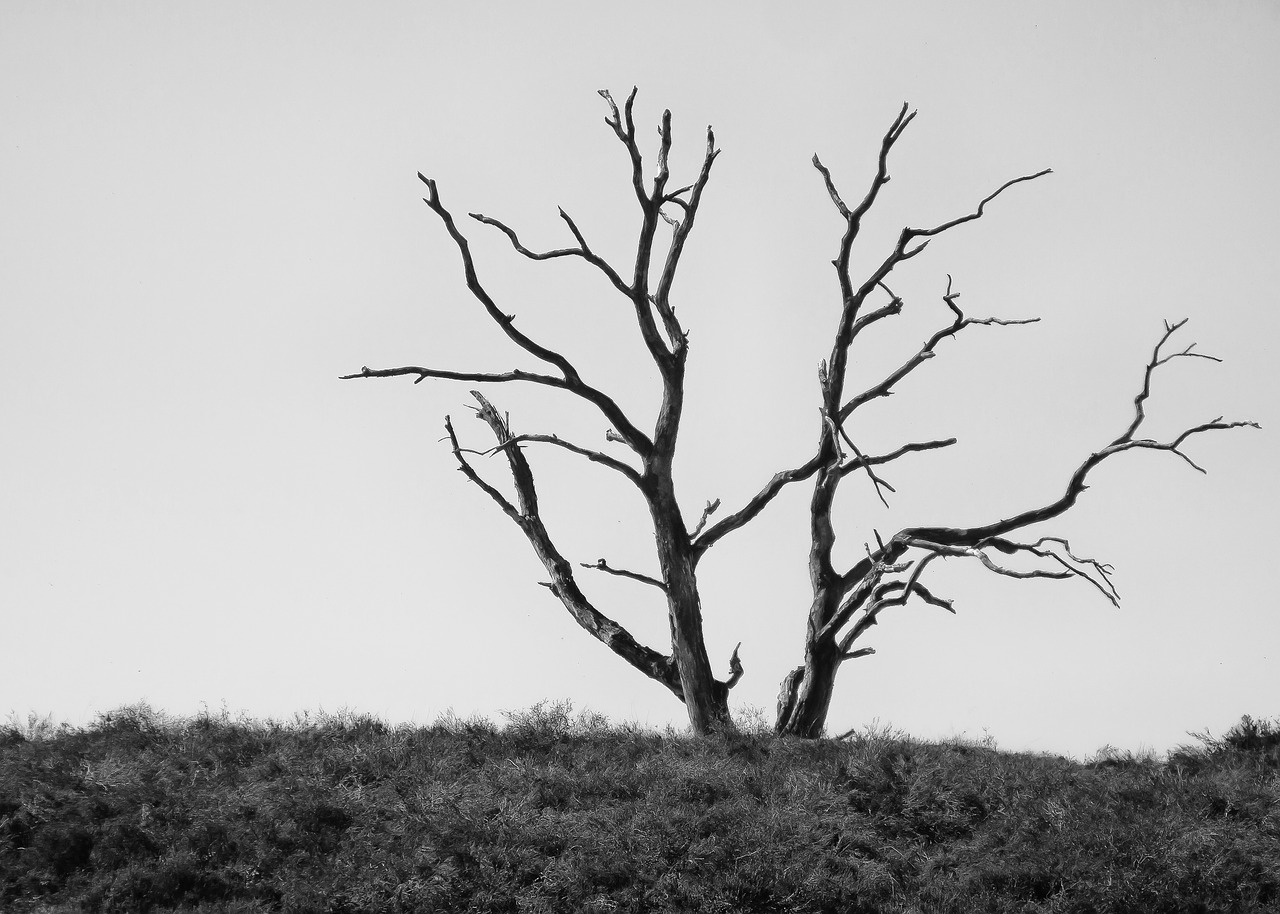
(209, 211)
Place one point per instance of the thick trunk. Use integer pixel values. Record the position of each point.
(805, 694)
(706, 700)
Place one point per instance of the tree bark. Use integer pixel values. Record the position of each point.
(805, 695)
(706, 705)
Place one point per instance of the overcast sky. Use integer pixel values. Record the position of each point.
(210, 212)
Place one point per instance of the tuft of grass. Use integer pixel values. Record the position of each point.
(555, 811)
(1250, 745)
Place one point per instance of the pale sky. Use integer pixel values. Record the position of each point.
(210, 211)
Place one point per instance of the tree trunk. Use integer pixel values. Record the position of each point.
(805, 694)
(706, 700)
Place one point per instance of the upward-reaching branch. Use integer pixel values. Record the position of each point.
(668, 354)
(851, 299)
(680, 234)
(623, 126)
(835, 412)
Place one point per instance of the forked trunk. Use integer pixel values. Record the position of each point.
(805, 694)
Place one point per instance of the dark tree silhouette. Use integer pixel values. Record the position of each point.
(846, 602)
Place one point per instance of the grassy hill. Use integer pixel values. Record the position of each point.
(558, 813)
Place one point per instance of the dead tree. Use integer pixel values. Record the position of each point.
(845, 602)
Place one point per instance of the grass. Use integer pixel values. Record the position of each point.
(558, 813)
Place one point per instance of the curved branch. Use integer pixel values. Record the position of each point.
(977, 214)
(582, 250)
(504, 321)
